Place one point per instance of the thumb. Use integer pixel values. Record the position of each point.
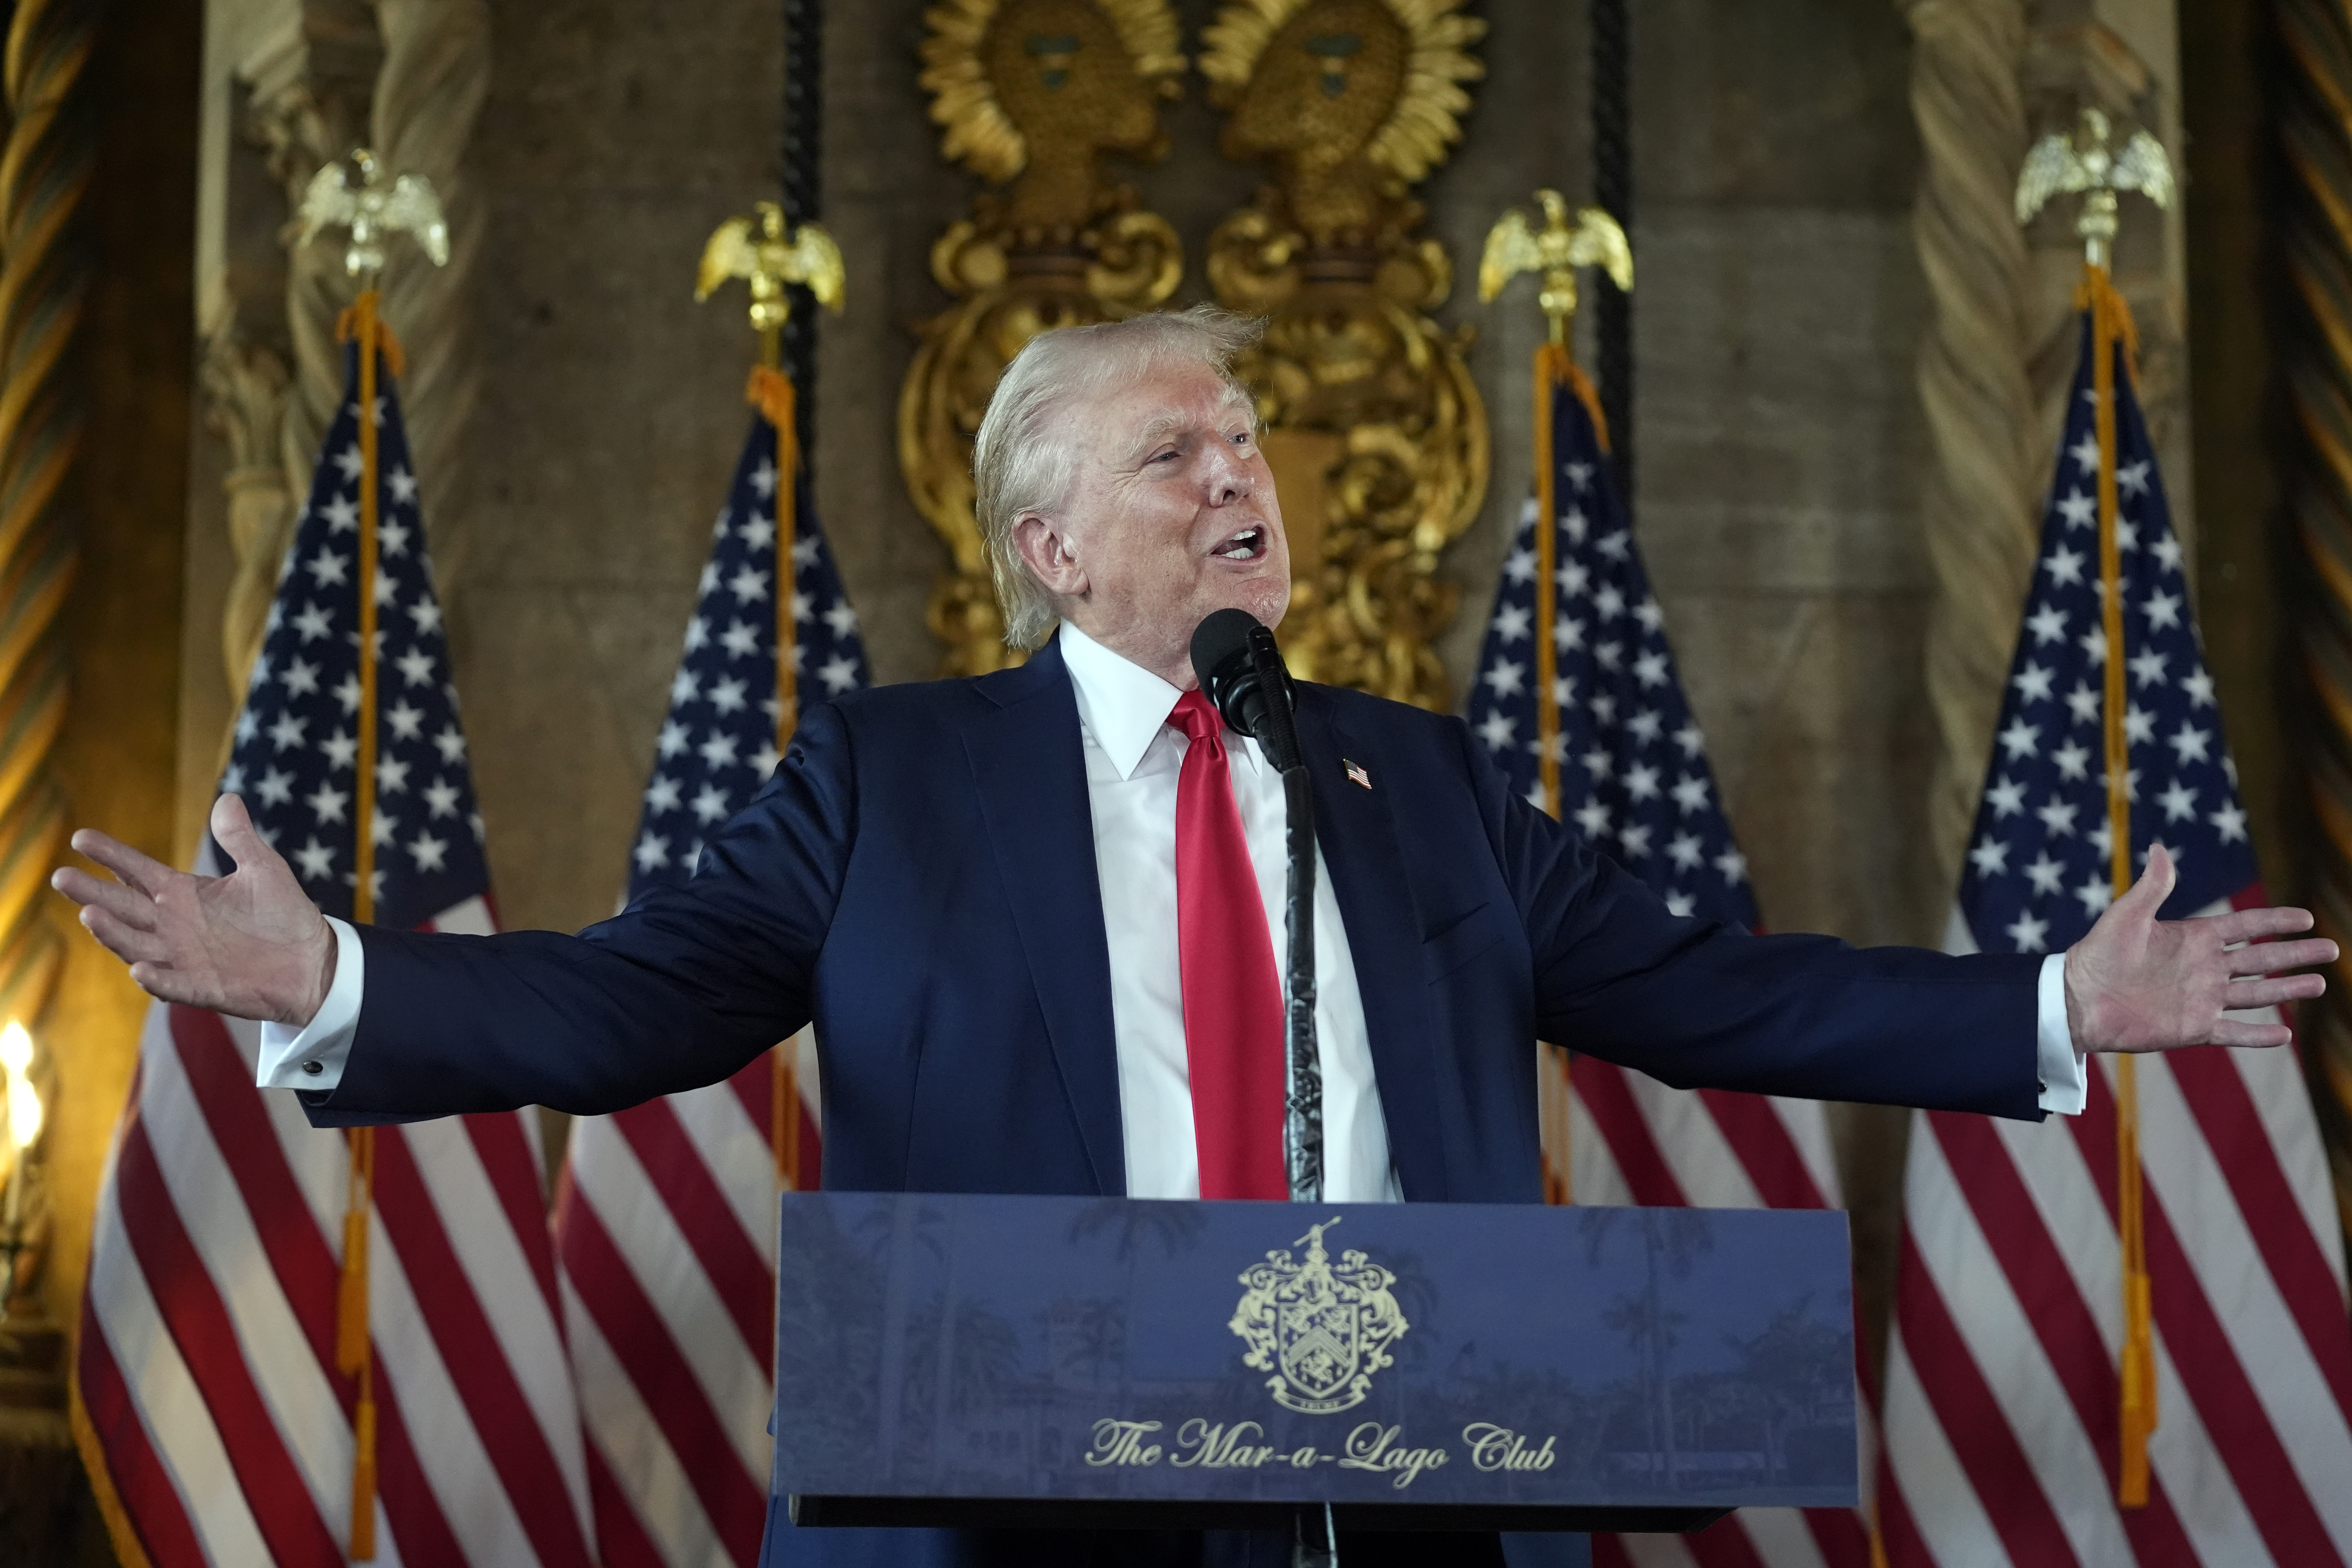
(233, 830)
(2156, 881)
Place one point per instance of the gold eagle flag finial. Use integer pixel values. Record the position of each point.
(1556, 250)
(759, 249)
(2088, 162)
(374, 209)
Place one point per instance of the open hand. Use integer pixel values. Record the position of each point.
(250, 945)
(2137, 983)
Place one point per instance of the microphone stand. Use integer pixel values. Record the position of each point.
(1302, 1119)
(1302, 1123)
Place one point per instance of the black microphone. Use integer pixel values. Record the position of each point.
(1242, 671)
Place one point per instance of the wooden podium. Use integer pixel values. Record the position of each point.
(1027, 1362)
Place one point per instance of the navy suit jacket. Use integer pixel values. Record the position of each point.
(918, 879)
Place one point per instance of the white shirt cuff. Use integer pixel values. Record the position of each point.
(2065, 1084)
(312, 1057)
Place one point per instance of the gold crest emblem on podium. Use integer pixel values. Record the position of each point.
(1321, 1330)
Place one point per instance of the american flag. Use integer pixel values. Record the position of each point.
(667, 1226)
(206, 1385)
(2001, 1414)
(1633, 778)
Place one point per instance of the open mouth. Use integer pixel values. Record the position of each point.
(1246, 545)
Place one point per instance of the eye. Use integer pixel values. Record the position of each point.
(1166, 455)
(1244, 438)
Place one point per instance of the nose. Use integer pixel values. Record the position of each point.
(1230, 476)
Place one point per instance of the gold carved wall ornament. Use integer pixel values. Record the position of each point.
(1376, 434)
(1029, 95)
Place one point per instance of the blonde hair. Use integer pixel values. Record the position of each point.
(1026, 455)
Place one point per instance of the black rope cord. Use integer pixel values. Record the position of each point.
(804, 196)
(1612, 189)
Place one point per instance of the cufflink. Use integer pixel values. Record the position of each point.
(313, 1068)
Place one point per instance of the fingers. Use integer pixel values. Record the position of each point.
(168, 985)
(126, 904)
(143, 872)
(2255, 925)
(2235, 1033)
(2274, 992)
(2277, 957)
(124, 940)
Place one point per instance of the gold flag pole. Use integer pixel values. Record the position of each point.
(1556, 250)
(2085, 162)
(758, 249)
(375, 208)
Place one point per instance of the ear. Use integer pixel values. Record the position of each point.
(1045, 543)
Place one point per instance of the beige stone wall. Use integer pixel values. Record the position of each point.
(1782, 446)
(616, 135)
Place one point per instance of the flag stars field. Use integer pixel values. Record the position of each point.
(718, 744)
(296, 733)
(1635, 782)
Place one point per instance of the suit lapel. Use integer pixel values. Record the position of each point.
(1029, 764)
(1358, 833)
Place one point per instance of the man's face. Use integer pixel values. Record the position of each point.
(1171, 516)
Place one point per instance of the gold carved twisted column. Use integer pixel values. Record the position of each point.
(2316, 126)
(406, 78)
(1375, 431)
(428, 95)
(1974, 380)
(44, 171)
(269, 373)
(1029, 95)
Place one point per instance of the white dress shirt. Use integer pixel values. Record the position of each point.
(1132, 759)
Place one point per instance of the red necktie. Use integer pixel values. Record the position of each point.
(1233, 1001)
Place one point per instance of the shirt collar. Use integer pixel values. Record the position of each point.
(1123, 705)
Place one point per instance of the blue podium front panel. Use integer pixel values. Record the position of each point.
(1253, 1353)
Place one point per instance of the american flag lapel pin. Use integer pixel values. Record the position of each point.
(1356, 772)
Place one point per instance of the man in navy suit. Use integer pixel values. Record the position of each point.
(1001, 900)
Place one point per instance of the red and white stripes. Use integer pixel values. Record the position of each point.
(204, 1380)
(1634, 1141)
(667, 1228)
(2001, 1415)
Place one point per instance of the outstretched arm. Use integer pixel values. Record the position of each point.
(251, 945)
(677, 991)
(1808, 1016)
